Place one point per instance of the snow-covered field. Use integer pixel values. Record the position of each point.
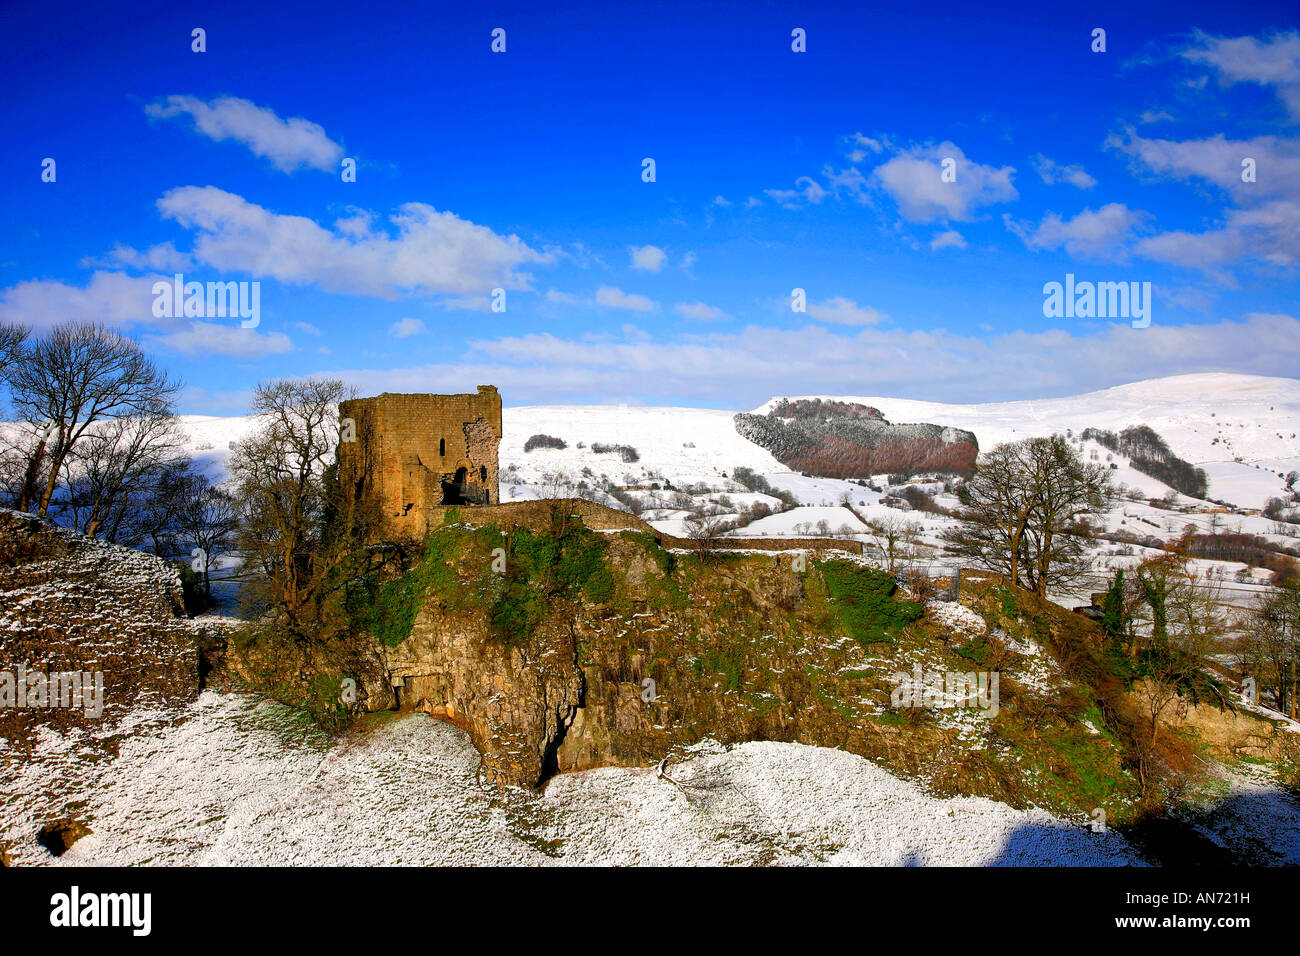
(1210, 419)
(245, 783)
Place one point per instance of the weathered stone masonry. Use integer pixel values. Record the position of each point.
(416, 452)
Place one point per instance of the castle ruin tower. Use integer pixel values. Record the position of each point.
(415, 452)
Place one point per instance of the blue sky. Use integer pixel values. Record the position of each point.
(775, 170)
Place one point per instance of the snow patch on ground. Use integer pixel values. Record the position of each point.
(243, 782)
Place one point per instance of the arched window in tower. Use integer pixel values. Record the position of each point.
(442, 447)
(482, 474)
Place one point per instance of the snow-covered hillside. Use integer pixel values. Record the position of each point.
(240, 783)
(684, 445)
(1242, 429)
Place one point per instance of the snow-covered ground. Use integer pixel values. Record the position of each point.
(1242, 429)
(1211, 419)
(245, 783)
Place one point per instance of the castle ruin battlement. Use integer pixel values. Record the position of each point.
(415, 452)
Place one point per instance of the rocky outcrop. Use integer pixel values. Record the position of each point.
(1230, 734)
(73, 605)
(673, 649)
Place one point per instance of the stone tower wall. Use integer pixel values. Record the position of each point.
(407, 445)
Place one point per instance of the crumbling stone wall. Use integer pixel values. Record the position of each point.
(414, 452)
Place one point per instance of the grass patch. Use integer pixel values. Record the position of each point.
(863, 601)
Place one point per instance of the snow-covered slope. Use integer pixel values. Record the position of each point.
(1211, 419)
(1243, 429)
(683, 444)
(241, 783)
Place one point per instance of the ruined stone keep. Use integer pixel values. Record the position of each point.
(414, 452)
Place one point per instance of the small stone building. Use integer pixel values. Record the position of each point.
(414, 452)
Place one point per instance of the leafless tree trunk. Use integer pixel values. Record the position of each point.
(705, 529)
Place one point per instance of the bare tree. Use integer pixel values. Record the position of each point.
(1274, 629)
(207, 517)
(107, 472)
(894, 536)
(1025, 509)
(75, 376)
(557, 484)
(1065, 493)
(279, 480)
(705, 527)
(996, 514)
(12, 338)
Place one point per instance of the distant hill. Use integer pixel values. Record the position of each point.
(838, 439)
(1241, 429)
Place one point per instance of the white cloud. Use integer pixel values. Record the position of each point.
(209, 338)
(948, 239)
(700, 311)
(913, 179)
(112, 298)
(861, 147)
(806, 190)
(614, 298)
(289, 144)
(1217, 160)
(721, 201)
(432, 252)
(405, 328)
(1051, 172)
(844, 311)
(647, 258)
(1270, 232)
(1264, 226)
(159, 258)
(1089, 234)
(748, 366)
(121, 301)
(1274, 61)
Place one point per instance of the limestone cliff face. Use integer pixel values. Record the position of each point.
(734, 650)
(559, 647)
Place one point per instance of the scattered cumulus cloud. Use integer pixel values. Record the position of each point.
(842, 311)
(1089, 234)
(700, 311)
(427, 253)
(948, 239)
(912, 178)
(290, 145)
(405, 328)
(1051, 172)
(614, 298)
(648, 258)
(1271, 61)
